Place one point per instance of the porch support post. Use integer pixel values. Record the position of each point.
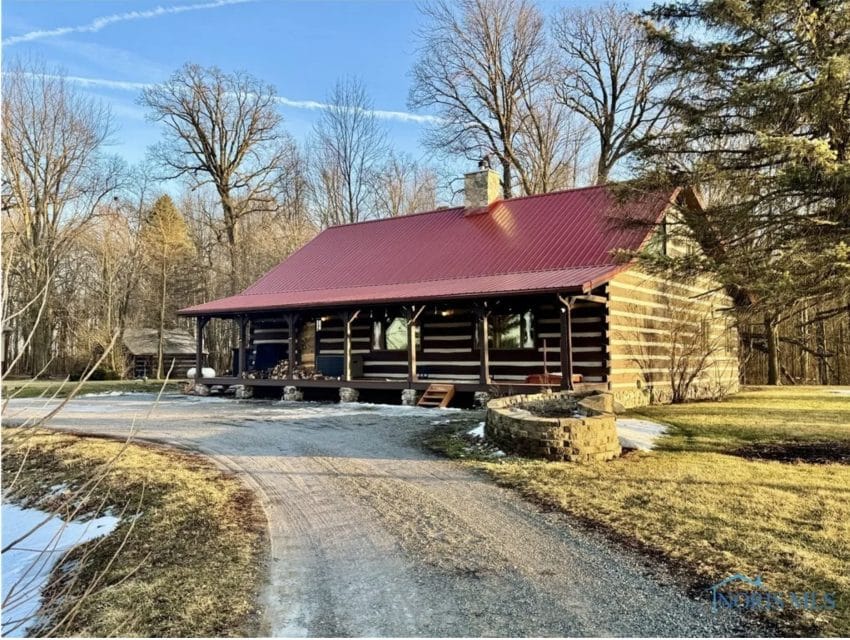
(484, 344)
(291, 324)
(412, 314)
(347, 320)
(566, 343)
(411, 353)
(243, 339)
(200, 323)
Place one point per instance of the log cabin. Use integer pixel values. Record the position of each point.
(498, 296)
(141, 346)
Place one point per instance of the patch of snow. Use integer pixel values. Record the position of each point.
(206, 372)
(298, 410)
(58, 489)
(477, 432)
(27, 566)
(639, 434)
(95, 394)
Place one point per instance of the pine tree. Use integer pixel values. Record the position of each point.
(167, 250)
(766, 122)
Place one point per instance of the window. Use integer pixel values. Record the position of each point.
(514, 331)
(395, 335)
(378, 343)
(528, 330)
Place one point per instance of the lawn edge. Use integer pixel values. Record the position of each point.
(252, 624)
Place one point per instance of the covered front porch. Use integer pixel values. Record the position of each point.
(513, 344)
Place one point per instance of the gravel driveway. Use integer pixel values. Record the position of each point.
(371, 536)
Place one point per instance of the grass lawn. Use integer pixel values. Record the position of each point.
(59, 388)
(710, 512)
(191, 562)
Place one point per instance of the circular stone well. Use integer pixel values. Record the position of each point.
(562, 426)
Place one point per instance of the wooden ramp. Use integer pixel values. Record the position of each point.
(437, 396)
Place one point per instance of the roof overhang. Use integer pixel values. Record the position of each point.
(581, 280)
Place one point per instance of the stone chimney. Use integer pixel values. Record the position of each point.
(481, 188)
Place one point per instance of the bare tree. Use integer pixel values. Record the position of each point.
(348, 148)
(404, 186)
(551, 145)
(613, 78)
(481, 63)
(168, 251)
(54, 178)
(224, 129)
(675, 364)
(266, 238)
(103, 295)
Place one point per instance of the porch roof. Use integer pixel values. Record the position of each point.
(561, 241)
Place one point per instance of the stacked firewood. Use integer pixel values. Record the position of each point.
(281, 372)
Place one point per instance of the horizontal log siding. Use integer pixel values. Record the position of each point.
(589, 325)
(647, 315)
(448, 352)
(330, 340)
(267, 332)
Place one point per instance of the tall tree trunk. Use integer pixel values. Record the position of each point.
(39, 322)
(804, 337)
(771, 331)
(230, 222)
(602, 170)
(506, 179)
(823, 371)
(161, 327)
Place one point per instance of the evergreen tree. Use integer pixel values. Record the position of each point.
(766, 124)
(167, 251)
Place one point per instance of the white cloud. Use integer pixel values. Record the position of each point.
(120, 85)
(99, 23)
(402, 116)
(104, 60)
(310, 105)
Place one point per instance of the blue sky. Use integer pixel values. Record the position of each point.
(300, 46)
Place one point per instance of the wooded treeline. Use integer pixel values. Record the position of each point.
(747, 101)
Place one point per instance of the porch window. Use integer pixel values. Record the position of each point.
(512, 331)
(378, 343)
(395, 335)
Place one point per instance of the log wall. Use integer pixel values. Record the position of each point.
(663, 332)
(449, 350)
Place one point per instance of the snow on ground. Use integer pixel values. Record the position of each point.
(639, 434)
(288, 410)
(477, 432)
(95, 394)
(27, 565)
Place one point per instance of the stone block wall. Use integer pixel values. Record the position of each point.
(584, 435)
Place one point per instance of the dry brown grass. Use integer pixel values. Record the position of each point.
(61, 388)
(191, 564)
(711, 514)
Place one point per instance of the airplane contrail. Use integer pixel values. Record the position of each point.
(99, 23)
(311, 105)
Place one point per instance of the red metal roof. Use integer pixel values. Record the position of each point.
(557, 241)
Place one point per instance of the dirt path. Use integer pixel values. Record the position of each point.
(370, 536)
